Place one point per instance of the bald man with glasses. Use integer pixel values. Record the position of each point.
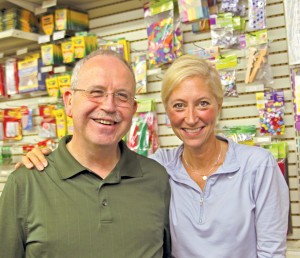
(96, 198)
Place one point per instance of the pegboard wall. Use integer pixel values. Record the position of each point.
(111, 20)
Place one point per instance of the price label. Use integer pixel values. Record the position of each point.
(46, 69)
(44, 39)
(59, 35)
(22, 51)
(263, 139)
(60, 69)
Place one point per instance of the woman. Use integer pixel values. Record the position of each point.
(228, 200)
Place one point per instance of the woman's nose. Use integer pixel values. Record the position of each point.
(191, 116)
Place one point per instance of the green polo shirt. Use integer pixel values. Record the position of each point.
(67, 211)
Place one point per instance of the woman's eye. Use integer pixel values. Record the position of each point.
(178, 106)
(203, 103)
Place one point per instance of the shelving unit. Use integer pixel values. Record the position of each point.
(18, 34)
(124, 18)
(13, 40)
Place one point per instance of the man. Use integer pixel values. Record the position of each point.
(96, 198)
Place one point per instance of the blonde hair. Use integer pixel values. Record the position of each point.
(188, 66)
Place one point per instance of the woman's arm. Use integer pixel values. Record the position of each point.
(271, 213)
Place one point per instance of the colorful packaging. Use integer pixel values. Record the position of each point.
(52, 87)
(47, 24)
(68, 54)
(64, 82)
(51, 54)
(67, 19)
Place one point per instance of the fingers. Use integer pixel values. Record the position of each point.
(46, 151)
(36, 158)
(26, 162)
(19, 164)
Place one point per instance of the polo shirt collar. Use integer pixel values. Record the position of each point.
(128, 165)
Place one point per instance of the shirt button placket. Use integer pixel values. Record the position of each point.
(105, 211)
(104, 203)
(201, 201)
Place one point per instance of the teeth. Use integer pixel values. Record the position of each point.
(192, 130)
(104, 122)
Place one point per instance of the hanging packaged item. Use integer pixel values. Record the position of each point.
(83, 44)
(47, 24)
(226, 30)
(295, 76)
(164, 34)
(1, 124)
(228, 80)
(51, 54)
(71, 19)
(68, 53)
(236, 7)
(70, 126)
(140, 72)
(2, 81)
(206, 53)
(47, 127)
(12, 124)
(120, 45)
(226, 66)
(256, 38)
(193, 10)
(258, 67)
(271, 112)
(28, 72)
(243, 134)
(64, 82)
(201, 26)
(257, 14)
(11, 76)
(20, 19)
(5, 155)
(143, 134)
(27, 118)
(52, 87)
(61, 122)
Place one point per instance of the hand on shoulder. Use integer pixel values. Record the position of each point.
(35, 158)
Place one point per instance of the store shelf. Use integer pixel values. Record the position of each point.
(19, 34)
(13, 40)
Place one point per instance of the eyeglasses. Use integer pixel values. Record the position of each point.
(122, 98)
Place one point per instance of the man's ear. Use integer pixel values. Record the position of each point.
(68, 98)
(135, 106)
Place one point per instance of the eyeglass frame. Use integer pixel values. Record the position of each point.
(115, 95)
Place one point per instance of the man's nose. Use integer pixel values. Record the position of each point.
(108, 102)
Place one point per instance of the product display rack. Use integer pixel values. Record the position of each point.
(111, 19)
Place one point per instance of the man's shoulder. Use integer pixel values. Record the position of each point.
(147, 161)
(23, 172)
(151, 165)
